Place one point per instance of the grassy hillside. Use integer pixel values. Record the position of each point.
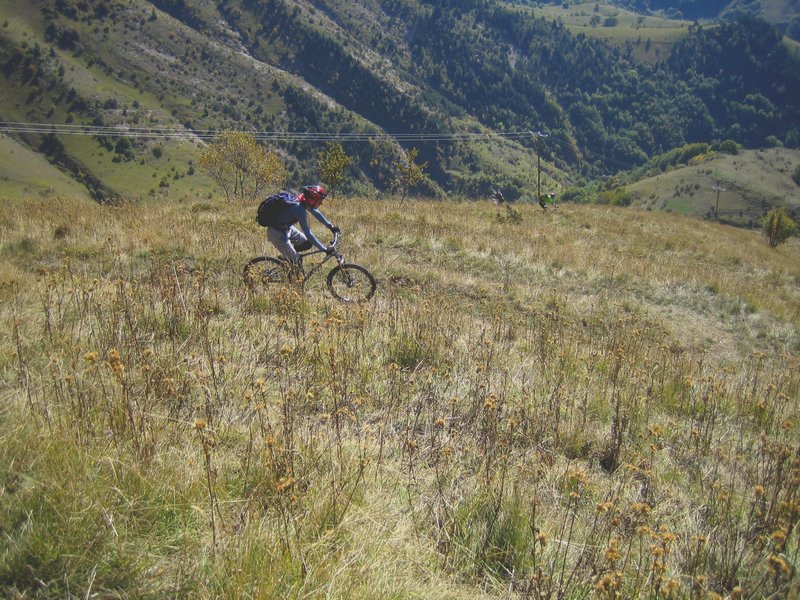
(784, 13)
(753, 182)
(778, 12)
(587, 401)
(154, 76)
(121, 72)
(650, 37)
(24, 172)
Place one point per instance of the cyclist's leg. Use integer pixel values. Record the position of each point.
(280, 239)
(298, 239)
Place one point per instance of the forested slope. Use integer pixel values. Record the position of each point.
(379, 68)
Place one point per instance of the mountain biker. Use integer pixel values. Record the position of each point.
(497, 196)
(287, 238)
(546, 200)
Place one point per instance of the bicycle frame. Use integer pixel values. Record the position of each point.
(346, 282)
(316, 267)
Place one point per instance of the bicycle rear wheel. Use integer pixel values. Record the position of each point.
(263, 271)
(351, 283)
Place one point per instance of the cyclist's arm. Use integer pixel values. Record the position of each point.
(303, 220)
(321, 218)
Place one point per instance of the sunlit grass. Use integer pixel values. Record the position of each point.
(651, 37)
(24, 172)
(589, 401)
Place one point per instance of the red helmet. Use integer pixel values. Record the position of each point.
(313, 195)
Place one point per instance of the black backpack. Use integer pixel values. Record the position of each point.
(270, 209)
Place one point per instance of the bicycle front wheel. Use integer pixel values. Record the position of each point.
(351, 283)
(263, 271)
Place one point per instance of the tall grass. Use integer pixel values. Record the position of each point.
(590, 402)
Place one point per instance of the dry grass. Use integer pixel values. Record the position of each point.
(591, 401)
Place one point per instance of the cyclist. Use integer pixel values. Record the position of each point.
(497, 196)
(546, 200)
(287, 238)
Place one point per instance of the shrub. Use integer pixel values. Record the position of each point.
(124, 148)
(729, 147)
(796, 175)
(778, 226)
(617, 197)
(575, 194)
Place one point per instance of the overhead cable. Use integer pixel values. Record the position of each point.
(181, 133)
(286, 136)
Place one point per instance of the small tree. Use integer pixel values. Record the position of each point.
(408, 173)
(333, 163)
(778, 226)
(124, 149)
(241, 167)
(729, 147)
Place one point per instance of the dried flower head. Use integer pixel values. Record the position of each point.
(114, 362)
(604, 507)
(612, 553)
(778, 565)
(779, 540)
(284, 483)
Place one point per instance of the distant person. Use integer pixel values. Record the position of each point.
(287, 238)
(497, 197)
(546, 200)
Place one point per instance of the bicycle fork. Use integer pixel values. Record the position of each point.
(347, 278)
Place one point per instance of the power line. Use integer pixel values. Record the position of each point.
(285, 136)
(181, 133)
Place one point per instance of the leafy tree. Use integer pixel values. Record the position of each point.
(52, 146)
(333, 163)
(729, 147)
(124, 149)
(241, 167)
(796, 175)
(778, 226)
(408, 173)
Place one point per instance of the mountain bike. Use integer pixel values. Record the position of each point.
(548, 200)
(346, 281)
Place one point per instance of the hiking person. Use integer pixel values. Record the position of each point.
(288, 239)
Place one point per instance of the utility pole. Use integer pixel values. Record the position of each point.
(539, 135)
(717, 188)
